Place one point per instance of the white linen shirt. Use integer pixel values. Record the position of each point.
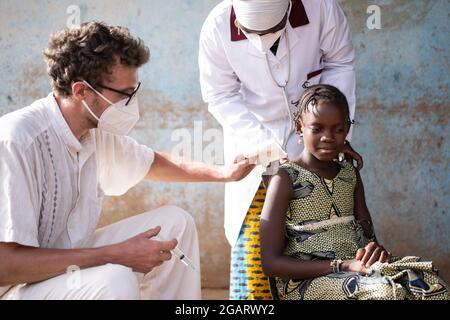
(51, 184)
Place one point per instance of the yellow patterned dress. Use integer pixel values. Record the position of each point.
(247, 280)
(320, 225)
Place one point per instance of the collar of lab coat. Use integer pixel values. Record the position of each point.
(297, 18)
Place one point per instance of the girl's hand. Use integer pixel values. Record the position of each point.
(371, 253)
(353, 266)
(240, 168)
(351, 154)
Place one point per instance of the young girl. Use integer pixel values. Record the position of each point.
(317, 240)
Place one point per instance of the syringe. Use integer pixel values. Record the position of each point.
(184, 258)
(180, 255)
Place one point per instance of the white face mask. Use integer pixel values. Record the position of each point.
(265, 42)
(118, 118)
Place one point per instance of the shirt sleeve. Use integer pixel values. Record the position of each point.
(338, 52)
(121, 162)
(19, 213)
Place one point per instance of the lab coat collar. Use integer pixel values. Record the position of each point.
(297, 18)
(64, 131)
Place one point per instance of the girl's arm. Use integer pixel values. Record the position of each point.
(360, 211)
(373, 251)
(272, 231)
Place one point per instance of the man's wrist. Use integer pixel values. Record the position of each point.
(108, 254)
(222, 174)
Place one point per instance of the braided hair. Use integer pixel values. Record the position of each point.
(311, 97)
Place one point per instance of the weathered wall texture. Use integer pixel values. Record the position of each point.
(402, 112)
(402, 124)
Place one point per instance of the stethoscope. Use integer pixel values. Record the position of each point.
(286, 135)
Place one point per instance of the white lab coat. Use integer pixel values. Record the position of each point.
(242, 96)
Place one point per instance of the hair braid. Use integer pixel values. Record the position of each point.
(315, 94)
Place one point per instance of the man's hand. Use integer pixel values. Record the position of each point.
(371, 253)
(240, 168)
(143, 254)
(351, 154)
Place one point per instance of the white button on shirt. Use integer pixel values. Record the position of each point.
(51, 184)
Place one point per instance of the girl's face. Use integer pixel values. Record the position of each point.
(324, 130)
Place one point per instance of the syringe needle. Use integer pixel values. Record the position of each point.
(181, 256)
(184, 258)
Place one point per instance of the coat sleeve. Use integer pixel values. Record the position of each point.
(337, 52)
(220, 88)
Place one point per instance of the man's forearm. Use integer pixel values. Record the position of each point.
(172, 169)
(21, 264)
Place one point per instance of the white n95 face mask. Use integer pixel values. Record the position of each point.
(118, 118)
(265, 42)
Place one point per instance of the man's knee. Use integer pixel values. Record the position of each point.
(183, 215)
(179, 217)
(116, 282)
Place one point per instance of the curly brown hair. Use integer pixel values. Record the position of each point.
(88, 52)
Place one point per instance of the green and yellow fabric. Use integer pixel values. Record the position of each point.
(320, 225)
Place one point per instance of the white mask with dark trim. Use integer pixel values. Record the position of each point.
(250, 15)
(118, 118)
(265, 42)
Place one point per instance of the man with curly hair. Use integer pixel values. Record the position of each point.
(62, 154)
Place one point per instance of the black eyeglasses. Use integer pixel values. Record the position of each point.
(129, 95)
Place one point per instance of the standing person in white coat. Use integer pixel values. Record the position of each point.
(255, 58)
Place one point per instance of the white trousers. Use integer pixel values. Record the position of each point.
(170, 281)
